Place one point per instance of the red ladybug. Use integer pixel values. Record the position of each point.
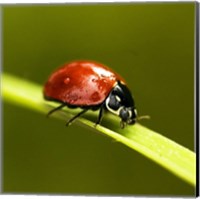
(91, 85)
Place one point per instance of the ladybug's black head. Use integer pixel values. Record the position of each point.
(120, 102)
(128, 116)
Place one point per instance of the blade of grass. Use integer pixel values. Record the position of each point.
(167, 153)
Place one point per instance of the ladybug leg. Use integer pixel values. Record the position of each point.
(55, 109)
(100, 115)
(122, 124)
(78, 115)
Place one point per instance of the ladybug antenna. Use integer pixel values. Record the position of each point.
(143, 117)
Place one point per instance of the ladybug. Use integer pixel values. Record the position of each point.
(91, 86)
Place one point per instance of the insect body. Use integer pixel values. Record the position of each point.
(91, 85)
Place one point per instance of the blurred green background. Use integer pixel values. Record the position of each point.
(150, 44)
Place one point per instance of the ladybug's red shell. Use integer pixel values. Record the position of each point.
(81, 83)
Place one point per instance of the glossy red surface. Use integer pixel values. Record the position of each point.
(81, 83)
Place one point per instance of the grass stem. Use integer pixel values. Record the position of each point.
(167, 153)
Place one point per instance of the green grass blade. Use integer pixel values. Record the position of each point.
(167, 153)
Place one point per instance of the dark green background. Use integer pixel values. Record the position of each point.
(150, 45)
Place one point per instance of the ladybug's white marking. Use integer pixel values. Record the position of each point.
(130, 113)
(116, 112)
(118, 98)
(135, 111)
